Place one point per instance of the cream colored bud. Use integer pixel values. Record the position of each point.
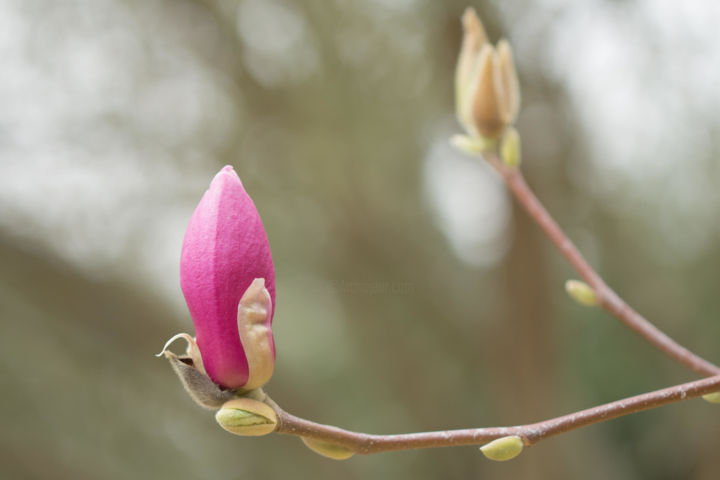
(712, 397)
(247, 417)
(327, 449)
(502, 449)
(510, 151)
(581, 292)
(487, 91)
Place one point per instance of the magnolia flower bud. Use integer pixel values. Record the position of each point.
(227, 276)
(487, 91)
(247, 417)
(581, 292)
(327, 449)
(502, 449)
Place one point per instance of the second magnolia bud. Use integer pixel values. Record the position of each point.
(487, 90)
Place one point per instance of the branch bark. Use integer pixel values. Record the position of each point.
(531, 434)
(609, 300)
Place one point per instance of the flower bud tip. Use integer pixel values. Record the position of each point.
(581, 292)
(502, 449)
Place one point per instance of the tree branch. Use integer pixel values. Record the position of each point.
(531, 434)
(609, 300)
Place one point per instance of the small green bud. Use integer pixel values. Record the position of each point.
(246, 417)
(327, 449)
(712, 397)
(510, 152)
(472, 145)
(581, 292)
(503, 449)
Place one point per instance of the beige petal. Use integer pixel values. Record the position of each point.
(510, 83)
(474, 38)
(487, 99)
(255, 305)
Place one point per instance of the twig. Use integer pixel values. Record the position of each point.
(609, 300)
(531, 434)
(364, 443)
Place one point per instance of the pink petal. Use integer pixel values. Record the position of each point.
(225, 248)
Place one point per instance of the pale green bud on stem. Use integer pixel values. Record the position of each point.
(473, 145)
(502, 449)
(510, 151)
(247, 417)
(712, 397)
(487, 91)
(582, 293)
(327, 449)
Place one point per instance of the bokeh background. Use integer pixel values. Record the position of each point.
(412, 293)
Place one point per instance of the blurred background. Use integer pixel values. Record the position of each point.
(405, 271)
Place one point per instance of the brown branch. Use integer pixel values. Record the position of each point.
(531, 434)
(609, 300)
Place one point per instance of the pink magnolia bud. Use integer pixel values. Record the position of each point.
(225, 251)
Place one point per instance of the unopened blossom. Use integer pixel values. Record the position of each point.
(228, 279)
(487, 90)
